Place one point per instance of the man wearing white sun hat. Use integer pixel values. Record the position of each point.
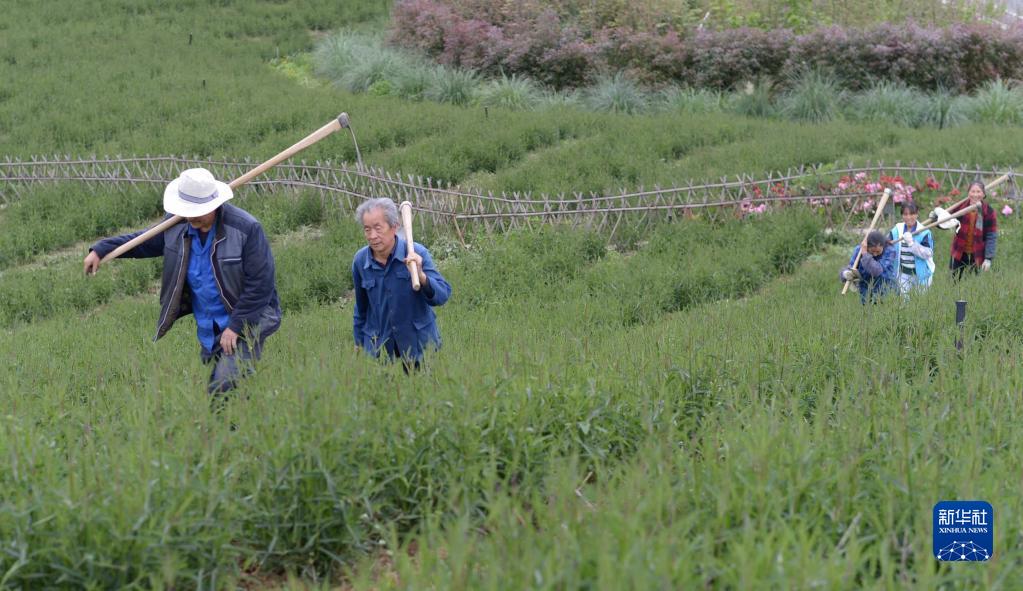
(218, 267)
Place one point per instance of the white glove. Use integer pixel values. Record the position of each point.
(986, 265)
(907, 240)
(955, 227)
(850, 275)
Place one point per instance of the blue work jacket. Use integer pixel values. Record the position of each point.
(879, 275)
(389, 314)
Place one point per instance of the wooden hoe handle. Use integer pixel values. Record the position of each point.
(953, 216)
(987, 187)
(410, 246)
(873, 224)
(335, 124)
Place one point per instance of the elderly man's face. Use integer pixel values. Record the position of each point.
(203, 223)
(875, 250)
(379, 232)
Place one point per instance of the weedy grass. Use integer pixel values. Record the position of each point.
(813, 97)
(219, 95)
(997, 103)
(512, 92)
(698, 407)
(894, 104)
(691, 101)
(616, 94)
(692, 444)
(792, 438)
(540, 444)
(46, 218)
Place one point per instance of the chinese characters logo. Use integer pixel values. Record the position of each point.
(963, 531)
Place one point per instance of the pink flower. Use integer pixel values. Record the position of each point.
(898, 198)
(1006, 210)
(860, 177)
(873, 187)
(842, 186)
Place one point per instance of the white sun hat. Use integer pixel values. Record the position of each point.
(195, 193)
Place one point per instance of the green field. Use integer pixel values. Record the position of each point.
(95, 77)
(694, 407)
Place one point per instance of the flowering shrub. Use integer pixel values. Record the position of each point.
(902, 191)
(532, 38)
(747, 207)
(858, 191)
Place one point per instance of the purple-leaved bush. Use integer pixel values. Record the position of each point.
(527, 38)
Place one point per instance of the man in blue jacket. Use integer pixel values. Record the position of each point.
(217, 267)
(877, 270)
(389, 315)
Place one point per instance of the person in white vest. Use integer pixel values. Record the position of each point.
(915, 253)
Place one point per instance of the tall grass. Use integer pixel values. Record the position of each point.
(943, 109)
(894, 104)
(511, 92)
(457, 87)
(692, 101)
(412, 83)
(337, 53)
(673, 416)
(997, 103)
(357, 61)
(755, 100)
(245, 109)
(814, 97)
(693, 460)
(616, 94)
(58, 215)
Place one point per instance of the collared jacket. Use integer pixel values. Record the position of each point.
(243, 268)
(878, 275)
(388, 311)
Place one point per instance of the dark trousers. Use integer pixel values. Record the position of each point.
(960, 265)
(407, 363)
(228, 369)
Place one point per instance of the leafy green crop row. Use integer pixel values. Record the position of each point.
(674, 267)
(754, 427)
(216, 96)
(41, 221)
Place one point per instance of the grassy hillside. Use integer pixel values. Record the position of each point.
(699, 408)
(605, 419)
(107, 78)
